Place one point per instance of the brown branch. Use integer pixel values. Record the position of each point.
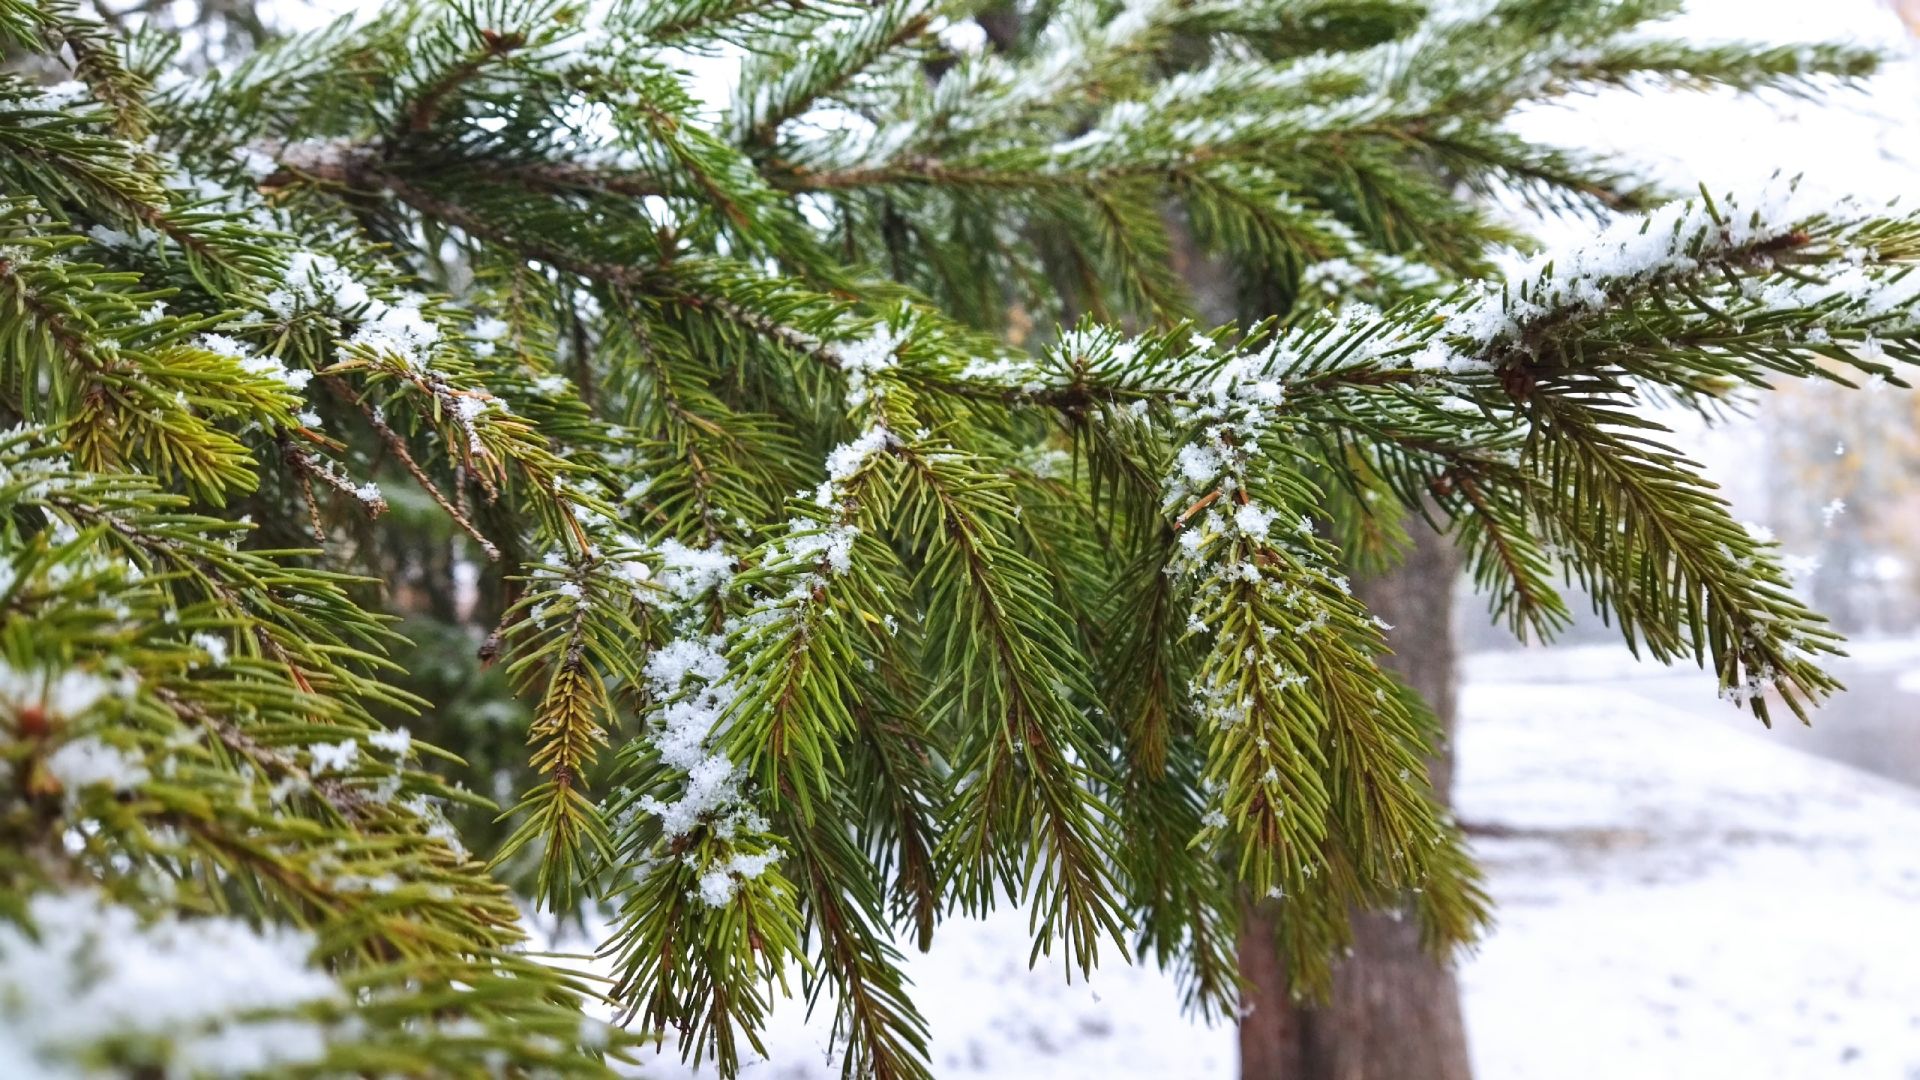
(355, 167)
(421, 116)
(398, 447)
(350, 804)
(311, 468)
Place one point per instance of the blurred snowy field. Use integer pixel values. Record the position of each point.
(1680, 898)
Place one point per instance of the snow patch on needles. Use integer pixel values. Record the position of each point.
(1231, 413)
(485, 333)
(88, 762)
(214, 646)
(860, 360)
(693, 685)
(690, 679)
(253, 363)
(1253, 520)
(849, 458)
(317, 280)
(399, 329)
(813, 551)
(1580, 280)
(719, 884)
(397, 741)
(689, 573)
(1226, 534)
(696, 690)
(333, 757)
(808, 543)
(93, 973)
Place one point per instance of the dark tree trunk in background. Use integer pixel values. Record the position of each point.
(1394, 1013)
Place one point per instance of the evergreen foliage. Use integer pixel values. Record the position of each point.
(841, 482)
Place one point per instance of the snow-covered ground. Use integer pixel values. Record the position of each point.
(1682, 898)
(1678, 897)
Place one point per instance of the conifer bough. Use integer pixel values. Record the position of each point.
(844, 594)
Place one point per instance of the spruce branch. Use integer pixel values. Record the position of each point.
(852, 557)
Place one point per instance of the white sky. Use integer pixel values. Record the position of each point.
(1863, 142)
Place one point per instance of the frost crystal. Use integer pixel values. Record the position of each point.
(334, 757)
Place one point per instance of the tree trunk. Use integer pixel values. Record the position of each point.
(1394, 1013)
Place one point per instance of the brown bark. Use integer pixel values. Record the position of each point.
(1270, 1042)
(1394, 1013)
